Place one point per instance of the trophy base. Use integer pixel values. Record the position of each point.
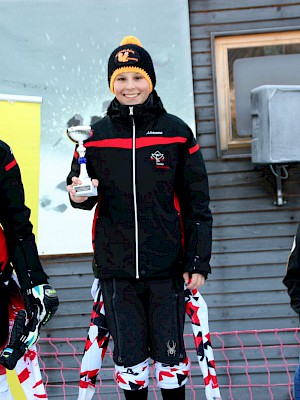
(85, 190)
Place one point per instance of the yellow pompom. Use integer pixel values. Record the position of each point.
(131, 40)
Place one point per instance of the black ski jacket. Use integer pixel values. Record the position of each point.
(292, 277)
(14, 218)
(153, 217)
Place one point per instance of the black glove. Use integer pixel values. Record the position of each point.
(45, 299)
(19, 342)
(41, 304)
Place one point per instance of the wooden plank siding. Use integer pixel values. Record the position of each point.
(252, 237)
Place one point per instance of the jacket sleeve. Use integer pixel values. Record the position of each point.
(75, 170)
(292, 277)
(14, 218)
(193, 194)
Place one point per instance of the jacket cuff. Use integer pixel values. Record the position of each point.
(198, 267)
(85, 205)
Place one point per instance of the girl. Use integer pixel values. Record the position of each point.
(152, 224)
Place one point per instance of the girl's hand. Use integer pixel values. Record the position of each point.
(194, 282)
(70, 188)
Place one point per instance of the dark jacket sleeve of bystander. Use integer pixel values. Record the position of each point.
(14, 218)
(292, 277)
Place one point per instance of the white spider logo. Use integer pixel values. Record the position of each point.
(171, 346)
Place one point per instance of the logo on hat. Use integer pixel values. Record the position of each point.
(126, 55)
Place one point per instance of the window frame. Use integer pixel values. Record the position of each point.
(221, 43)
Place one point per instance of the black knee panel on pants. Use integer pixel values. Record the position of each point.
(173, 394)
(141, 394)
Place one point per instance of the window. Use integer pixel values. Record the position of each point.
(241, 63)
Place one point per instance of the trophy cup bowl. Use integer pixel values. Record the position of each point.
(79, 134)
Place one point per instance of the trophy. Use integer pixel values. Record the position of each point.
(79, 134)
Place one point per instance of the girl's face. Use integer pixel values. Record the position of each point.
(131, 88)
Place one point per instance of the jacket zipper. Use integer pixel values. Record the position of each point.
(134, 196)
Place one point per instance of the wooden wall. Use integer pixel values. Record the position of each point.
(252, 236)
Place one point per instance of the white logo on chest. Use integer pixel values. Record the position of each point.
(158, 157)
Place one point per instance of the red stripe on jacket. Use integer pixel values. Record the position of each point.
(3, 250)
(10, 165)
(94, 222)
(177, 207)
(140, 142)
(193, 149)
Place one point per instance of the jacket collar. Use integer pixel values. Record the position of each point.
(152, 107)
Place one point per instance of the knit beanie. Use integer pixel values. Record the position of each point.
(130, 56)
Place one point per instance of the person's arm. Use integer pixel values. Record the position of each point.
(15, 221)
(292, 277)
(40, 299)
(193, 193)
